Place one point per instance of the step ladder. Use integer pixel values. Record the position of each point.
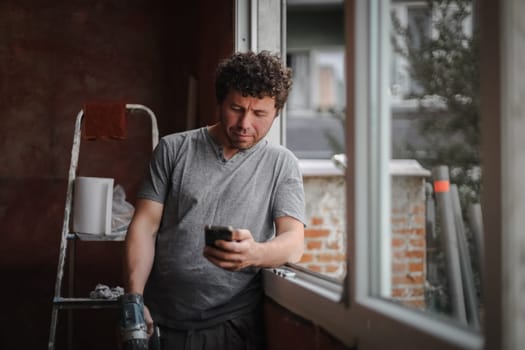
(68, 238)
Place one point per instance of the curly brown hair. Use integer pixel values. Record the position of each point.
(254, 74)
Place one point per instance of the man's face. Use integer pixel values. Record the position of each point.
(246, 120)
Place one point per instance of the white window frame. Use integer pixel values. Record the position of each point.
(352, 315)
(259, 25)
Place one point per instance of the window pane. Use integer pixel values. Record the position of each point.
(315, 52)
(435, 166)
(315, 127)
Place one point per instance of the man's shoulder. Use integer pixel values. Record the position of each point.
(182, 134)
(280, 159)
(280, 152)
(179, 137)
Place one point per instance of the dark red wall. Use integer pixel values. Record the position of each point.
(287, 331)
(54, 57)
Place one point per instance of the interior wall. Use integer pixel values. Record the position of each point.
(286, 331)
(55, 57)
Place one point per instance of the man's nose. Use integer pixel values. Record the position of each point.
(244, 120)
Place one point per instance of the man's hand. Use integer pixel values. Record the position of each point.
(241, 252)
(148, 320)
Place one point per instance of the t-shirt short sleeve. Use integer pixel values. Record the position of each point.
(289, 197)
(157, 180)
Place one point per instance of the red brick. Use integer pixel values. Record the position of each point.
(416, 292)
(398, 242)
(417, 242)
(330, 257)
(420, 220)
(419, 209)
(405, 231)
(331, 268)
(420, 231)
(416, 267)
(408, 279)
(312, 245)
(420, 254)
(397, 210)
(399, 292)
(306, 258)
(332, 245)
(399, 220)
(314, 221)
(398, 254)
(316, 233)
(399, 267)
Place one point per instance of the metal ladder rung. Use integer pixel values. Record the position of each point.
(91, 238)
(85, 303)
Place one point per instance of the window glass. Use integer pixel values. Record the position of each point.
(315, 115)
(315, 52)
(435, 233)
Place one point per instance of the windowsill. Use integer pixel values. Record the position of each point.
(327, 289)
(313, 299)
(407, 167)
(327, 167)
(319, 167)
(322, 303)
(438, 327)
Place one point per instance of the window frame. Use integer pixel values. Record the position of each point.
(351, 314)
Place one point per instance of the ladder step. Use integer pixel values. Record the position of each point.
(85, 303)
(117, 237)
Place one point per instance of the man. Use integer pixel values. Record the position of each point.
(227, 174)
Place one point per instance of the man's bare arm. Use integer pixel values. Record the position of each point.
(286, 247)
(140, 244)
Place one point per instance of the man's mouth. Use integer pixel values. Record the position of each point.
(242, 136)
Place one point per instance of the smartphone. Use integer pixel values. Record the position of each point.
(214, 233)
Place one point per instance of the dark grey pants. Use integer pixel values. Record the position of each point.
(242, 333)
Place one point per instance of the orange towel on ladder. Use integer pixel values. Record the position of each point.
(105, 120)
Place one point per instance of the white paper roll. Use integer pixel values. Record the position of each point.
(92, 205)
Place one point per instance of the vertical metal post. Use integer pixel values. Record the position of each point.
(268, 30)
(432, 241)
(476, 225)
(71, 293)
(432, 250)
(450, 243)
(471, 301)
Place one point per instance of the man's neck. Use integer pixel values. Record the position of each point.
(219, 137)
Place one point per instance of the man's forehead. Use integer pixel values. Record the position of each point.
(238, 97)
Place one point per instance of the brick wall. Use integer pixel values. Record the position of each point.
(408, 240)
(325, 234)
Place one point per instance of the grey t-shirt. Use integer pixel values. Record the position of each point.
(197, 186)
